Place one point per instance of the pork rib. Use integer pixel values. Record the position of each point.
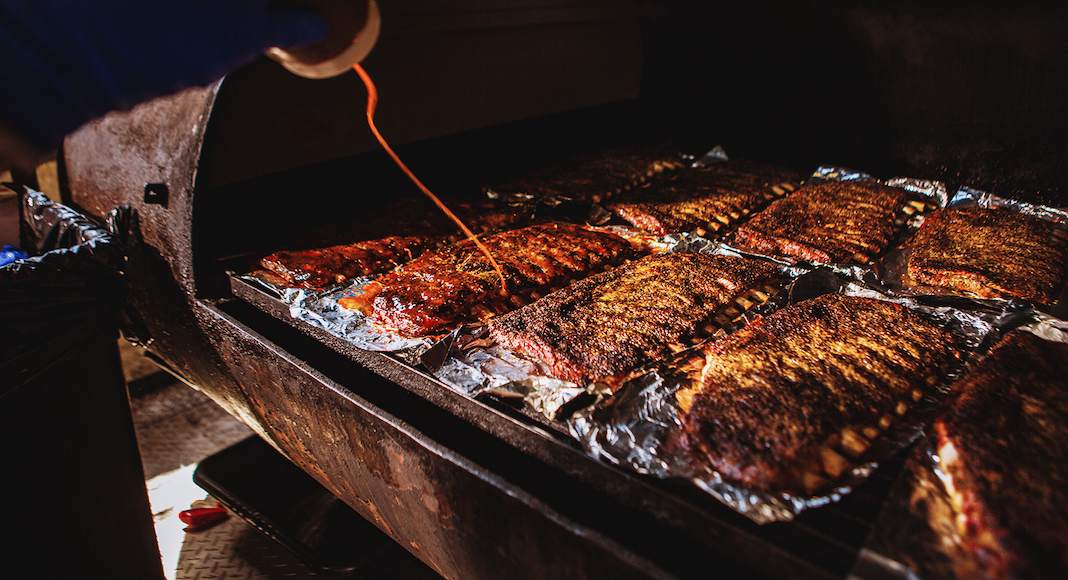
(836, 222)
(792, 401)
(1003, 443)
(613, 322)
(405, 229)
(323, 266)
(992, 253)
(595, 178)
(456, 285)
(705, 200)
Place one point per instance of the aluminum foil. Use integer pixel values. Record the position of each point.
(716, 155)
(971, 196)
(636, 428)
(320, 309)
(916, 536)
(1049, 328)
(473, 364)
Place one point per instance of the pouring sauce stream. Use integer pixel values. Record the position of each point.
(372, 102)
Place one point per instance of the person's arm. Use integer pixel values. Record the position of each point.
(65, 62)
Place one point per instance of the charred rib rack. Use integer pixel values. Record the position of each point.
(595, 178)
(1003, 445)
(992, 253)
(613, 322)
(705, 200)
(794, 400)
(837, 222)
(456, 285)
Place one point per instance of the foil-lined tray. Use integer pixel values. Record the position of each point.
(321, 308)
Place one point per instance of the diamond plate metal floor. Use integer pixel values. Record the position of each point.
(233, 550)
(177, 427)
(230, 550)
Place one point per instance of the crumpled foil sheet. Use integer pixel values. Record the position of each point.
(715, 155)
(320, 309)
(971, 196)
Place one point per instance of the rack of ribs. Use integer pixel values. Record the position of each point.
(989, 252)
(793, 401)
(835, 222)
(704, 200)
(324, 266)
(609, 324)
(1003, 444)
(406, 230)
(595, 178)
(457, 284)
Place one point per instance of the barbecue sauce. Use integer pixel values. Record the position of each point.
(372, 102)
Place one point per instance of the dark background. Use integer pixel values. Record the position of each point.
(965, 92)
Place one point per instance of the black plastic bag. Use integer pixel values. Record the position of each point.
(70, 291)
(79, 504)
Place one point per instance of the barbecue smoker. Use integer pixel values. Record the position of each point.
(482, 92)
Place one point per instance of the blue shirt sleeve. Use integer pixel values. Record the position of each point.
(69, 61)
